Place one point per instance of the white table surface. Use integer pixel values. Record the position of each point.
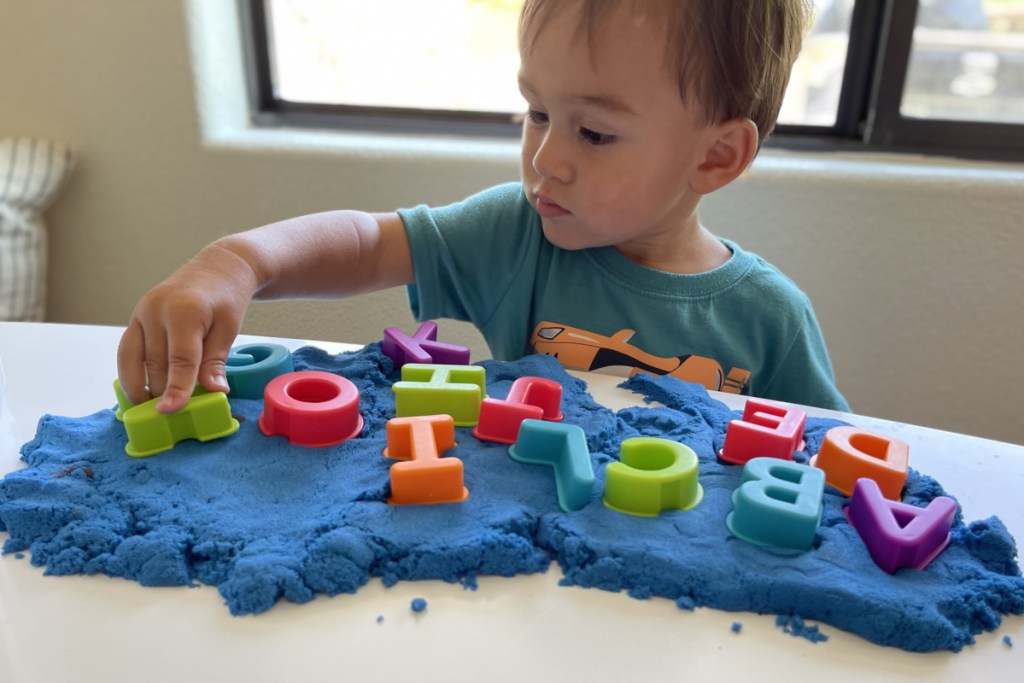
(94, 628)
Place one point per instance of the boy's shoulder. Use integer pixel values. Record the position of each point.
(498, 196)
(764, 278)
(502, 203)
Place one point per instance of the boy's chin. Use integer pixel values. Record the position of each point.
(558, 239)
(566, 232)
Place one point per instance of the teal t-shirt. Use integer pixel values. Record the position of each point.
(743, 327)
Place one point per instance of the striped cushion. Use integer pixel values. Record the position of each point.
(31, 173)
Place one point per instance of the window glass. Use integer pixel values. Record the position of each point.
(441, 54)
(967, 62)
(462, 55)
(817, 78)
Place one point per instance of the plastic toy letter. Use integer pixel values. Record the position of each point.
(311, 408)
(652, 475)
(778, 503)
(424, 477)
(455, 390)
(530, 398)
(767, 430)
(206, 416)
(251, 367)
(898, 535)
(564, 448)
(544, 393)
(422, 347)
(848, 453)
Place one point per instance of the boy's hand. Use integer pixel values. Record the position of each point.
(182, 330)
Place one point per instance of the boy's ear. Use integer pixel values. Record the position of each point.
(732, 146)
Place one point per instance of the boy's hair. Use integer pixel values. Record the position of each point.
(733, 57)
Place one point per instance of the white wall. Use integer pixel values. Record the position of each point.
(912, 263)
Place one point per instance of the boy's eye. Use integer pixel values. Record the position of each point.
(535, 117)
(595, 138)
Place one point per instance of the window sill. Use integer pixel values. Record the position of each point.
(885, 168)
(362, 145)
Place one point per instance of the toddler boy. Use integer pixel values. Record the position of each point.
(636, 109)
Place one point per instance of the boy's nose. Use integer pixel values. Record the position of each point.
(551, 160)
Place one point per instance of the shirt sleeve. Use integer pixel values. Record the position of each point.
(470, 255)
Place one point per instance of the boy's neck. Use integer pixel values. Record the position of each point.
(695, 252)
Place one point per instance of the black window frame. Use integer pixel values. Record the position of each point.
(868, 113)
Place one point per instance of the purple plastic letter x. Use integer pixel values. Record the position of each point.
(422, 347)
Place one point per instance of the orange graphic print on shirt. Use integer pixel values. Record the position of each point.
(582, 350)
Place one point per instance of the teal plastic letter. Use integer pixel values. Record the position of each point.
(778, 503)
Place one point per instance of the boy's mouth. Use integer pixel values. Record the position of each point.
(549, 209)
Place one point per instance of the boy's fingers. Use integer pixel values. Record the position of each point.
(172, 400)
(181, 358)
(131, 364)
(216, 347)
(155, 361)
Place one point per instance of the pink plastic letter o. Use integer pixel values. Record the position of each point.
(311, 408)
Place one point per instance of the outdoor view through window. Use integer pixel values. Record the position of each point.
(966, 63)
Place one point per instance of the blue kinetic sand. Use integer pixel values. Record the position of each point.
(263, 520)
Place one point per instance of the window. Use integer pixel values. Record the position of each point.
(926, 76)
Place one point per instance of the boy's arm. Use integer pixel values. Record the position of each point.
(182, 330)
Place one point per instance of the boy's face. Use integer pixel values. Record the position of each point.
(608, 145)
